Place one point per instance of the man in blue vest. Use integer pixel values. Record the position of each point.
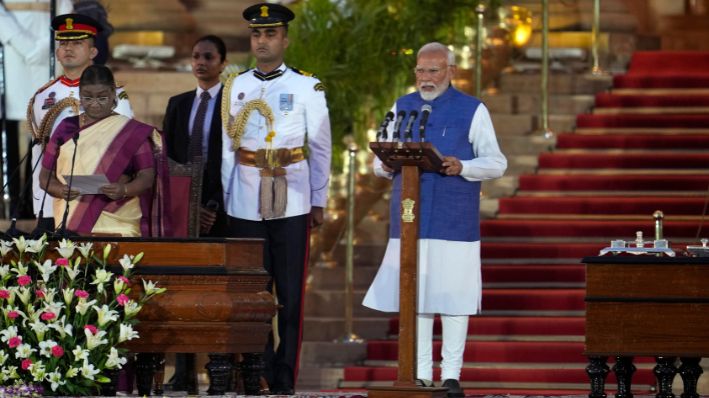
(449, 278)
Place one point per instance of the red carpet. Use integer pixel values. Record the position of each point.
(632, 141)
(610, 100)
(528, 337)
(600, 206)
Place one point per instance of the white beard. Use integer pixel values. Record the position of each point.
(431, 95)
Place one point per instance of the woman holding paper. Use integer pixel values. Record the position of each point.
(98, 143)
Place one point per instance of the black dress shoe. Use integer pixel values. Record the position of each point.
(454, 389)
(424, 383)
(282, 391)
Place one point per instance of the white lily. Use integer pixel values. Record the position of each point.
(38, 371)
(7, 334)
(24, 351)
(10, 373)
(150, 288)
(126, 263)
(66, 248)
(45, 348)
(88, 370)
(82, 306)
(5, 247)
(3, 357)
(127, 333)
(105, 315)
(62, 327)
(95, 340)
(36, 246)
(39, 328)
(20, 244)
(68, 294)
(72, 271)
(24, 294)
(80, 354)
(4, 270)
(101, 277)
(85, 249)
(114, 360)
(56, 380)
(20, 269)
(47, 269)
(49, 294)
(131, 309)
(106, 252)
(72, 372)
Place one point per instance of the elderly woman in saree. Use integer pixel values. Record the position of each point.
(101, 142)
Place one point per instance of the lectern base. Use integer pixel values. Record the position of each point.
(408, 392)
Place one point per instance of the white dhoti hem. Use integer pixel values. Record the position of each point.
(449, 279)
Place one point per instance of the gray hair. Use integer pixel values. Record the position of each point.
(435, 47)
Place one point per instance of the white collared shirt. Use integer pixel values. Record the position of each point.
(213, 92)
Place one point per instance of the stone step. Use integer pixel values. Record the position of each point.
(524, 145)
(531, 103)
(322, 329)
(329, 354)
(559, 83)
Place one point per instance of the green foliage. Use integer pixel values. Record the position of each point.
(364, 52)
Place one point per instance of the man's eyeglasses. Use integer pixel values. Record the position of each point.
(96, 100)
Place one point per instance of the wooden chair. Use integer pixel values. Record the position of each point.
(186, 194)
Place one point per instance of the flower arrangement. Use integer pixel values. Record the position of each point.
(65, 313)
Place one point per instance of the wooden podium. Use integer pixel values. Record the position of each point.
(410, 158)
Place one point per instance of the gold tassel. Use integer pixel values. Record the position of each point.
(266, 194)
(280, 194)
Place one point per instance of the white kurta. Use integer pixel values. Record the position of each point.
(43, 102)
(25, 33)
(300, 118)
(449, 277)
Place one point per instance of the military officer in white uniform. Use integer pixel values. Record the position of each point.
(59, 98)
(275, 170)
(25, 36)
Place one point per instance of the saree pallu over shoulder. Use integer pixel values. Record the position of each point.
(109, 147)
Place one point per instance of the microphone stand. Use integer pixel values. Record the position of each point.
(13, 232)
(40, 229)
(63, 230)
(3, 132)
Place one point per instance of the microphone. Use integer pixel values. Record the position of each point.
(425, 112)
(382, 132)
(408, 136)
(397, 125)
(62, 231)
(41, 227)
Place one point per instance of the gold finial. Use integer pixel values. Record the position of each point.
(70, 23)
(264, 11)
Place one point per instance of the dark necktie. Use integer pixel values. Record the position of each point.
(198, 126)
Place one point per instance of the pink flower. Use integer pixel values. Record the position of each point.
(24, 280)
(81, 294)
(57, 351)
(91, 328)
(122, 299)
(47, 316)
(124, 280)
(26, 363)
(4, 294)
(39, 293)
(14, 341)
(62, 262)
(13, 314)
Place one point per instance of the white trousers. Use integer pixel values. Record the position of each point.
(455, 333)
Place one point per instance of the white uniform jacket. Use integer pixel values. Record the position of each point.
(300, 118)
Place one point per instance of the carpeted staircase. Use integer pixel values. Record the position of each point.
(643, 148)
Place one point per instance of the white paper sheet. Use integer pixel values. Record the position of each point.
(87, 184)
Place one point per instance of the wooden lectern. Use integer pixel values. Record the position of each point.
(410, 158)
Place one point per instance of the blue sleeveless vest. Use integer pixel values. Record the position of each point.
(449, 206)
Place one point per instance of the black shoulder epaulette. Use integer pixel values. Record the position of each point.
(301, 72)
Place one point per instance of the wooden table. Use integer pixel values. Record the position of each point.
(216, 302)
(646, 306)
